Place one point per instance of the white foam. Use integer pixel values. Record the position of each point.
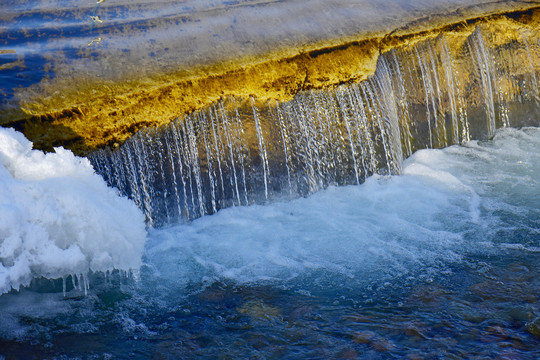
(447, 205)
(385, 227)
(57, 217)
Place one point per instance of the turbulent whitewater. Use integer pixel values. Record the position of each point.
(397, 266)
(239, 151)
(261, 185)
(449, 204)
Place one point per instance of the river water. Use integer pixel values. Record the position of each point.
(326, 226)
(439, 262)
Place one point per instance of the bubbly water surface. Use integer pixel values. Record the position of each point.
(442, 261)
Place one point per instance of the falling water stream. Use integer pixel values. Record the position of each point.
(240, 152)
(396, 217)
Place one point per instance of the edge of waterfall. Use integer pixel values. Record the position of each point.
(447, 89)
(91, 115)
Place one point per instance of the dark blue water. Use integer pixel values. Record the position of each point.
(440, 262)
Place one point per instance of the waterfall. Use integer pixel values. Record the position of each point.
(240, 151)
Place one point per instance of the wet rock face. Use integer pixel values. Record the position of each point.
(443, 88)
(105, 71)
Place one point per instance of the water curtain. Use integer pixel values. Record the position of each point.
(241, 151)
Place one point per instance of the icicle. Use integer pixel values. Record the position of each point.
(364, 137)
(214, 123)
(175, 185)
(186, 155)
(221, 155)
(481, 59)
(284, 139)
(440, 121)
(194, 159)
(535, 86)
(227, 130)
(405, 118)
(307, 145)
(242, 148)
(161, 160)
(141, 155)
(262, 147)
(349, 133)
(85, 283)
(391, 120)
(73, 281)
(448, 65)
(176, 137)
(209, 165)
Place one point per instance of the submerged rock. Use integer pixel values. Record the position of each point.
(258, 310)
(533, 327)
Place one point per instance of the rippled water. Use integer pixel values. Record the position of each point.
(440, 262)
(56, 53)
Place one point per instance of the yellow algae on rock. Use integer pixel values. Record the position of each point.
(124, 92)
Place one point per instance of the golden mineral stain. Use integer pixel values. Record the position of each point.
(99, 111)
(95, 41)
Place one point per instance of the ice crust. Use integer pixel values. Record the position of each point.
(57, 217)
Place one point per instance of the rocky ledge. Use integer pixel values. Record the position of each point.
(84, 111)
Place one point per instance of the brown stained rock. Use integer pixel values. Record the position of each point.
(496, 290)
(429, 295)
(364, 337)
(376, 342)
(258, 310)
(533, 327)
(509, 354)
(349, 354)
(415, 331)
(359, 318)
(494, 333)
(301, 312)
(213, 295)
(383, 345)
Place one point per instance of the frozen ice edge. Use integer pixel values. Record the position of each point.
(59, 219)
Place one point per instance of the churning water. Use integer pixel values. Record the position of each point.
(241, 152)
(283, 230)
(442, 261)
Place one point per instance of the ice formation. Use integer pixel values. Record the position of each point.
(57, 217)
